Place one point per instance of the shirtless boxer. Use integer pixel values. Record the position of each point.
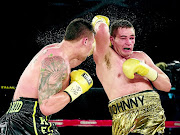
(43, 88)
(126, 77)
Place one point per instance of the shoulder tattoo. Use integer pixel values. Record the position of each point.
(53, 72)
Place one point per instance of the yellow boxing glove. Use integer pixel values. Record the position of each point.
(81, 82)
(132, 66)
(100, 18)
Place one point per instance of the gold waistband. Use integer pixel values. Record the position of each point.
(145, 98)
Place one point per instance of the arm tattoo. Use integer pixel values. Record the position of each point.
(53, 72)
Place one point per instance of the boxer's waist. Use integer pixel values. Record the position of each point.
(25, 105)
(137, 100)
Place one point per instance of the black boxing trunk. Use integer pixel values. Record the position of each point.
(25, 118)
(137, 113)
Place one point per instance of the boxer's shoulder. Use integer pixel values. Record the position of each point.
(139, 55)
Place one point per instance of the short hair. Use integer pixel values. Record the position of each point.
(119, 24)
(77, 29)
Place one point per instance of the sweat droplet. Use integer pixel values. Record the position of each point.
(50, 36)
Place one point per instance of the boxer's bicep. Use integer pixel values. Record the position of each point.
(53, 72)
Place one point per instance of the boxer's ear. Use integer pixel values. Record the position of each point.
(85, 41)
(112, 40)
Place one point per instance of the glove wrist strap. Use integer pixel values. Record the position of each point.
(152, 74)
(74, 90)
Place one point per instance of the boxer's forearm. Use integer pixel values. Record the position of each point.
(101, 27)
(81, 82)
(54, 103)
(162, 83)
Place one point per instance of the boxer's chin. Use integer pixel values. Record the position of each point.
(126, 53)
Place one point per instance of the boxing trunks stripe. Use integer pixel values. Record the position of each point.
(137, 113)
(25, 118)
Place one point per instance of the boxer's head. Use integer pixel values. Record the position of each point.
(122, 37)
(77, 29)
(81, 30)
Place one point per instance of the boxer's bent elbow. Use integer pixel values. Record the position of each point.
(165, 87)
(103, 29)
(45, 111)
(168, 87)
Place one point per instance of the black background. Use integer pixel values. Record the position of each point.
(28, 26)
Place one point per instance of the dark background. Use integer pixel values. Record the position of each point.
(28, 26)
